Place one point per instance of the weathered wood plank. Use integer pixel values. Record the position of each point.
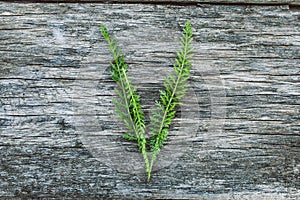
(237, 136)
(182, 2)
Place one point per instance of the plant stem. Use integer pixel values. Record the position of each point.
(136, 121)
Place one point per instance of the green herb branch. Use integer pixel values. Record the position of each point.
(175, 88)
(128, 106)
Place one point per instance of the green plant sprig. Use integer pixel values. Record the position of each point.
(175, 88)
(128, 106)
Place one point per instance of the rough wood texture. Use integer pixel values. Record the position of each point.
(236, 138)
(262, 2)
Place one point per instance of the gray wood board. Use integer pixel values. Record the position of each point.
(236, 136)
(261, 2)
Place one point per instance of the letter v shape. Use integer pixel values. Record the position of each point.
(127, 103)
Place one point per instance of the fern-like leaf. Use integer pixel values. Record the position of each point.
(175, 88)
(127, 104)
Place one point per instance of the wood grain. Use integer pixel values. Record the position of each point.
(179, 2)
(237, 137)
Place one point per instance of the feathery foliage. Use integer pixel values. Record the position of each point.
(175, 87)
(128, 104)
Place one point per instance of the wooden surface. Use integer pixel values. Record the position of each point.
(179, 2)
(237, 137)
